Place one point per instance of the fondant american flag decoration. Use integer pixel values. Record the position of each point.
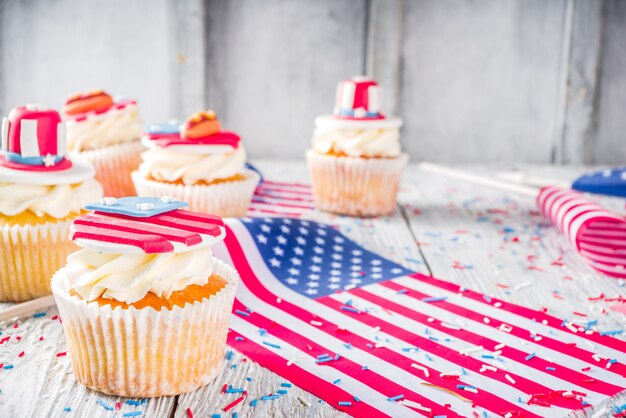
(359, 98)
(610, 181)
(120, 226)
(374, 339)
(598, 234)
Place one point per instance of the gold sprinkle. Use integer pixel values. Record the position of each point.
(451, 392)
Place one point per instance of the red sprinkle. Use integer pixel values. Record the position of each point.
(224, 388)
(597, 297)
(585, 369)
(118, 406)
(62, 354)
(580, 314)
(235, 402)
(55, 317)
(189, 413)
(21, 354)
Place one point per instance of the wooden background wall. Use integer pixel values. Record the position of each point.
(475, 80)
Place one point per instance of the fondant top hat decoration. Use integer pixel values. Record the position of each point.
(359, 98)
(34, 149)
(201, 133)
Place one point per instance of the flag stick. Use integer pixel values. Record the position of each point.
(26, 308)
(453, 173)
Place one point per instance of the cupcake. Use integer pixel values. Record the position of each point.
(106, 133)
(41, 191)
(356, 161)
(145, 305)
(199, 163)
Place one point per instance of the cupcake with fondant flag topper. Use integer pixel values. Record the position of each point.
(145, 305)
(105, 132)
(356, 161)
(197, 162)
(41, 191)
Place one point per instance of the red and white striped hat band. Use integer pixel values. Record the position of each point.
(359, 98)
(598, 234)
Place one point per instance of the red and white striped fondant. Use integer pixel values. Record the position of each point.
(273, 198)
(155, 234)
(598, 234)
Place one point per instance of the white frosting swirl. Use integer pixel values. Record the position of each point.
(163, 164)
(113, 127)
(129, 277)
(356, 142)
(57, 201)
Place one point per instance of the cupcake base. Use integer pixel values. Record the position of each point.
(143, 352)
(29, 256)
(113, 166)
(355, 186)
(227, 199)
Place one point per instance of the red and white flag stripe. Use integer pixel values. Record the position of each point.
(598, 234)
(298, 329)
(281, 199)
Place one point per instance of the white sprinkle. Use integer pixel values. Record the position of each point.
(538, 338)
(488, 367)
(509, 378)
(167, 199)
(500, 346)
(571, 327)
(608, 365)
(486, 320)
(508, 415)
(450, 326)
(350, 287)
(414, 405)
(497, 352)
(279, 300)
(467, 389)
(522, 285)
(379, 345)
(144, 206)
(304, 401)
(544, 322)
(290, 362)
(422, 368)
(506, 328)
(316, 323)
(497, 304)
(376, 329)
(452, 373)
(469, 350)
(108, 201)
(430, 319)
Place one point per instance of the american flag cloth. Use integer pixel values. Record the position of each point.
(598, 234)
(372, 338)
(610, 181)
(273, 198)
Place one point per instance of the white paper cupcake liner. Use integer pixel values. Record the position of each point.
(355, 186)
(228, 199)
(113, 166)
(29, 256)
(143, 352)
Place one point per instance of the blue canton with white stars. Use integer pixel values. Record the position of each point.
(610, 181)
(315, 259)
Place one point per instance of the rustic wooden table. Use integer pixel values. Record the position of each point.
(440, 228)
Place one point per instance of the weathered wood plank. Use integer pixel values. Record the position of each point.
(273, 66)
(609, 145)
(480, 79)
(581, 82)
(53, 49)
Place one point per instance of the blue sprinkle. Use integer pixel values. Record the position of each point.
(395, 398)
(39, 314)
(350, 309)
(253, 403)
(364, 367)
(8, 366)
(520, 400)
(249, 379)
(238, 338)
(271, 345)
(286, 385)
(438, 299)
(614, 332)
(487, 298)
(282, 391)
(216, 416)
(410, 349)
(336, 381)
(428, 357)
(229, 355)
(356, 399)
(131, 402)
(433, 338)
(348, 345)
(345, 403)
(234, 390)
(144, 401)
(132, 414)
(67, 409)
(324, 360)
(611, 361)
(104, 405)
(402, 291)
(530, 356)
(370, 345)
(322, 356)
(262, 331)
(337, 356)
(242, 313)
(269, 397)
(550, 369)
(488, 356)
(234, 366)
(235, 415)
